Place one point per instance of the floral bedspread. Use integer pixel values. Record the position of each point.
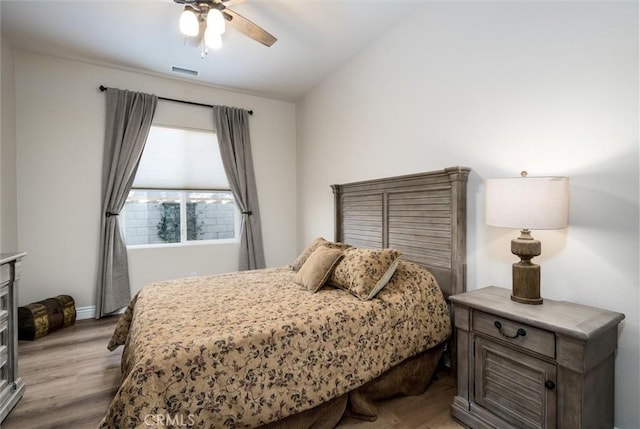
(244, 349)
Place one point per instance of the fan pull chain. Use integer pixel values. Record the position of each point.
(203, 50)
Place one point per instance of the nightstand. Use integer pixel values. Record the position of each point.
(533, 366)
(11, 385)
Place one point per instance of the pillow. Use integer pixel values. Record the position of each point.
(364, 272)
(317, 268)
(297, 264)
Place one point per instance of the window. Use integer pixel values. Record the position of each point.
(180, 193)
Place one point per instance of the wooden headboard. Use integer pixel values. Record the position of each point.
(424, 215)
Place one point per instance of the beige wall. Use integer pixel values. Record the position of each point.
(60, 131)
(8, 198)
(550, 87)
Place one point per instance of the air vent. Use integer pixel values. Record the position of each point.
(182, 70)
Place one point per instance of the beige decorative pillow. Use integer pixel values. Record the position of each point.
(364, 272)
(317, 268)
(300, 260)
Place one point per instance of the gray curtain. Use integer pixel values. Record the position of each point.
(232, 129)
(129, 116)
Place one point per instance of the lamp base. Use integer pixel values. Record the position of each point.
(526, 301)
(525, 274)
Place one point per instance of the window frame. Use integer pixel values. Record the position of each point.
(183, 208)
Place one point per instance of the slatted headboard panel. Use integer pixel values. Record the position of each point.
(424, 215)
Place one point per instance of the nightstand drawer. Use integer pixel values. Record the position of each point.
(4, 335)
(4, 298)
(5, 274)
(520, 335)
(4, 356)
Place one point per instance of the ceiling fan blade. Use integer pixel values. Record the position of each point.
(248, 28)
(228, 3)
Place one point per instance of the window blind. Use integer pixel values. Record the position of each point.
(180, 159)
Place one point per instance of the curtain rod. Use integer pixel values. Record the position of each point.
(193, 103)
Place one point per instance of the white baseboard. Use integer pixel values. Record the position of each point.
(90, 312)
(86, 312)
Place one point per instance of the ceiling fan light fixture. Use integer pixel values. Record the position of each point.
(212, 39)
(215, 21)
(204, 21)
(189, 25)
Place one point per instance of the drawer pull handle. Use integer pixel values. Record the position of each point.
(519, 333)
(549, 384)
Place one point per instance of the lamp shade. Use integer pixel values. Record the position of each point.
(189, 25)
(527, 202)
(212, 39)
(215, 21)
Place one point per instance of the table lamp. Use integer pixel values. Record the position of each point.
(527, 203)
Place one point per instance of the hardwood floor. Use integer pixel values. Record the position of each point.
(71, 378)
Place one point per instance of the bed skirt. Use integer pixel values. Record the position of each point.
(411, 377)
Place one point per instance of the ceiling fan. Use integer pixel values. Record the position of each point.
(204, 21)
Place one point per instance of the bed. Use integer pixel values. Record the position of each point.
(286, 347)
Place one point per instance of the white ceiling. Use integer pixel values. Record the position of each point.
(314, 38)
